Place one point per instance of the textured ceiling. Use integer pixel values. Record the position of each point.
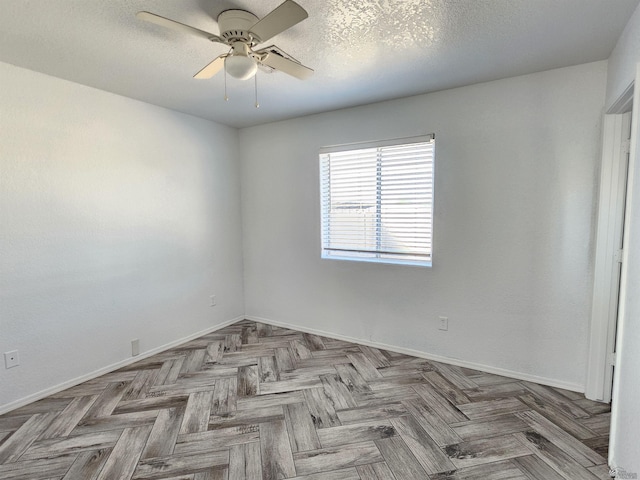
(362, 51)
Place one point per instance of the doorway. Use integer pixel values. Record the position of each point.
(609, 250)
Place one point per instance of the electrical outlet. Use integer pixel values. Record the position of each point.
(444, 323)
(11, 359)
(213, 301)
(135, 347)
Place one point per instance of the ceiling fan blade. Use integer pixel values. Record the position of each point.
(173, 25)
(287, 66)
(283, 17)
(211, 69)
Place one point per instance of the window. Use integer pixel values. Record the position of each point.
(377, 201)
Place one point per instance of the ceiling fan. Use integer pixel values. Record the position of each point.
(242, 31)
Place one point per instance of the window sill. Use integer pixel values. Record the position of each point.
(389, 261)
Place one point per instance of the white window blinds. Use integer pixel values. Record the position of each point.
(377, 201)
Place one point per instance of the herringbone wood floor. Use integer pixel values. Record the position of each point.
(253, 401)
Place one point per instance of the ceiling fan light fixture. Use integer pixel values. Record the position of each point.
(240, 66)
(242, 31)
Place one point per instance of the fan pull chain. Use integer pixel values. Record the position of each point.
(256, 89)
(226, 98)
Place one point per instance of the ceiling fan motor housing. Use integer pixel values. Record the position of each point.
(235, 25)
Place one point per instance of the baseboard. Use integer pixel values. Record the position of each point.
(551, 382)
(407, 351)
(110, 368)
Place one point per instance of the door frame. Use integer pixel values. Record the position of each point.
(608, 256)
(624, 421)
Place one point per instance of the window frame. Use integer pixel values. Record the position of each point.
(378, 255)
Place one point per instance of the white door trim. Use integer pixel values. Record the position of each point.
(620, 418)
(604, 310)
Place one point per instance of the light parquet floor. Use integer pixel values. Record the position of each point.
(252, 401)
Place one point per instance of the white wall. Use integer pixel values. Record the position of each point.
(623, 60)
(118, 219)
(516, 168)
(624, 449)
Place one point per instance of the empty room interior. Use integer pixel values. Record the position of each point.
(394, 239)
